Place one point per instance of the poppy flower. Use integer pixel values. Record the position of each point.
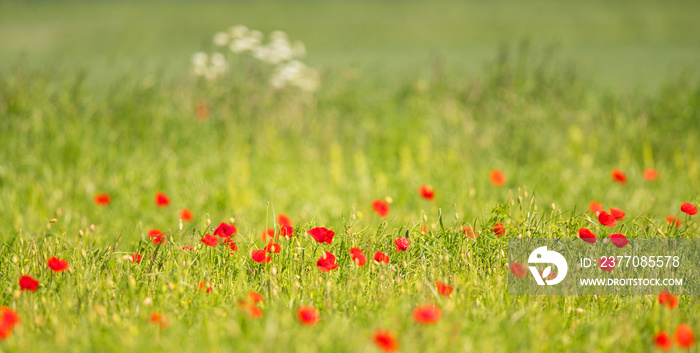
(26, 282)
(552, 275)
(386, 341)
(255, 297)
(424, 229)
(650, 174)
(158, 319)
(619, 240)
(267, 233)
(607, 219)
(326, 262)
(381, 208)
(251, 309)
(468, 231)
(205, 287)
(231, 245)
(427, 314)
(427, 192)
(685, 336)
(606, 264)
(136, 258)
(156, 235)
(595, 207)
(663, 341)
(358, 257)
(689, 209)
(618, 176)
(273, 248)
(587, 236)
(102, 199)
(57, 265)
(202, 111)
(283, 220)
(402, 244)
(443, 288)
(260, 256)
(381, 257)
(8, 319)
(617, 213)
(672, 220)
(321, 234)
(497, 177)
(210, 240)
(187, 247)
(308, 315)
(498, 229)
(162, 200)
(186, 215)
(518, 270)
(667, 299)
(286, 231)
(225, 230)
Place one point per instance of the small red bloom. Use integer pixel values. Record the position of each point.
(251, 309)
(136, 258)
(381, 208)
(518, 270)
(424, 229)
(443, 288)
(468, 231)
(273, 248)
(162, 200)
(689, 208)
(672, 220)
(358, 257)
(586, 235)
(595, 207)
(427, 314)
(210, 240)
(225, 230)
(260, 256)
(386, 341)
(205, 287)
(497, 177)
(308, 315)
(326, 263)
(402, 244)
(498, 229)
(102, 199)
(255, 297)
(158, 319)
(156, 235)
(232, 245)
(186, 215)
(321, 234)
(619, 240)
(650, 174)
(685, 336)
(607, 219)
(283, 220)
(26, 282)
(187, 247)
(8, 319)
(617, 213)
(618, 176)
(606, 264)
(57, 265)
(286, 231)
(427, 192)
(381, 257)
(667, 299)
(663, 341)
(267, 233)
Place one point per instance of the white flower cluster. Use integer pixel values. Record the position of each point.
(279, 51)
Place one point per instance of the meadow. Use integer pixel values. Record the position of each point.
(92, 145)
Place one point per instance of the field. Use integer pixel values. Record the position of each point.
(99, 99)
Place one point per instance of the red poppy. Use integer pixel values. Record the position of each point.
(672, 220)
(443, 288)
(136, 258)
(619, 240)
(286, 231)
(326, 262)
(468, 231)
(663, 341)
(210, 240)
(8, 319)
(381, 257)
(689, 208)
(518, 270)
(617, 213)
(26, 282)
(618, 176)
(202, 111)
(255, 297)
(402, 244)
(427, 314)
(606, 263)
(497, 177)
(386, 341)
(358, 257)
(650, 174)
(231, 245)
(103, 199)
(260, 256)
(308, 315)
(251, 309)
(423, 229)
(187, 247)
(186, 215)
(685, 336)
(162, 200)
(57, 265)
(205, 287)
(152, 233)
(586, 235)
(667, 299)
(267, 233)
(498, 229)
(381, 208)
(225, 230)
(321, 234)
(283, 220)
(595, 207)
(427, 192)
(158, 319)
(273, 248)
(607, 219)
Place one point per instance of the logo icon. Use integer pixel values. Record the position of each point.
(543, 256)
